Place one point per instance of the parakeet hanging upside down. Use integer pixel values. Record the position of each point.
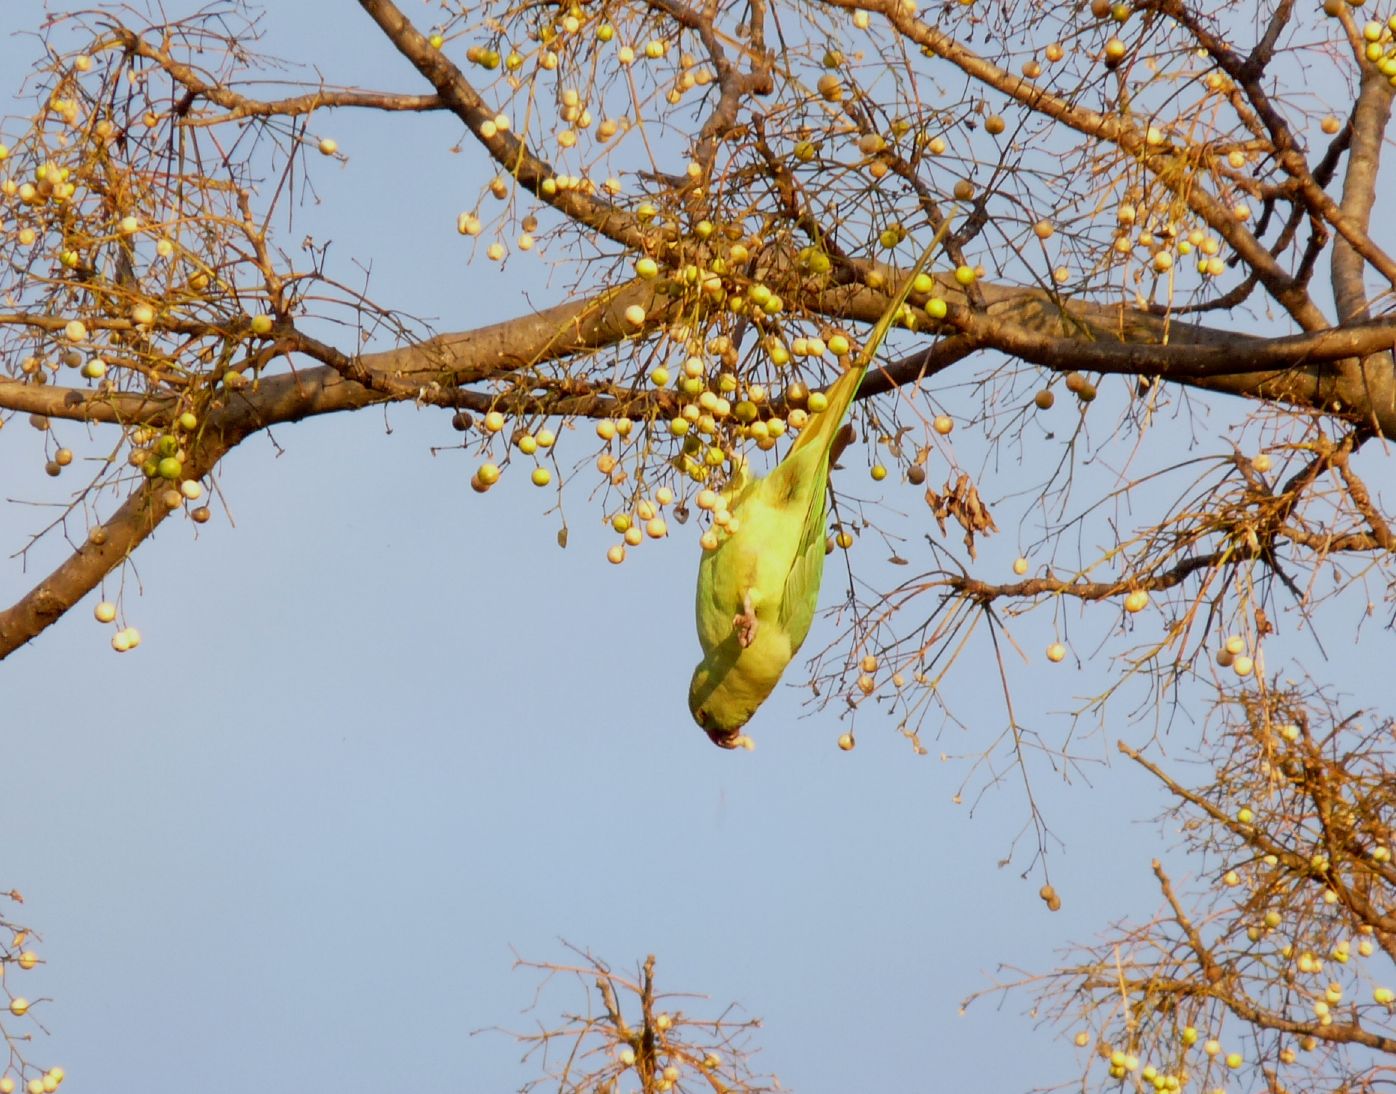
(758, 589)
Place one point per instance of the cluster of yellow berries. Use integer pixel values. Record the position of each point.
(723, 522)
(1379, 46)
(645, 521)
(1121, 1063)
(549, 42)
(867, 684)
(46, 1083)
(1136, 228)
(528, 443)
(1233, 655)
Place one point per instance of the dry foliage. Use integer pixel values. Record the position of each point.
(632, 1037)
(17, 960)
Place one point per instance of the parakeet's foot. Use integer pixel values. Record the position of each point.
(745, 622)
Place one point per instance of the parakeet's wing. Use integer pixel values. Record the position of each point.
(801, 594)
(803, 479)
(724, 574)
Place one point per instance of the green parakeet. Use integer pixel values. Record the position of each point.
(757, 590)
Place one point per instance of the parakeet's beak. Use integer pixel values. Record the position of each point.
(730, 738)
(723, 738)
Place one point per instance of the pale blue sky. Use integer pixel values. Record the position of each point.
(384, 733)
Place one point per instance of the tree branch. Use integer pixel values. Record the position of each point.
(240, 106)
(1370, 117)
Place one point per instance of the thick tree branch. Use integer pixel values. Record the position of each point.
(1025, 323)
(1370, 116)
(1300, 369)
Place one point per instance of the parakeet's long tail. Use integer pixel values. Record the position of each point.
(840, 394)
(822, 427)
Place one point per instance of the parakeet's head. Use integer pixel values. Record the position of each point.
(722, 728)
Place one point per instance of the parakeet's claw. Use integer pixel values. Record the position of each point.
(745, 622)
